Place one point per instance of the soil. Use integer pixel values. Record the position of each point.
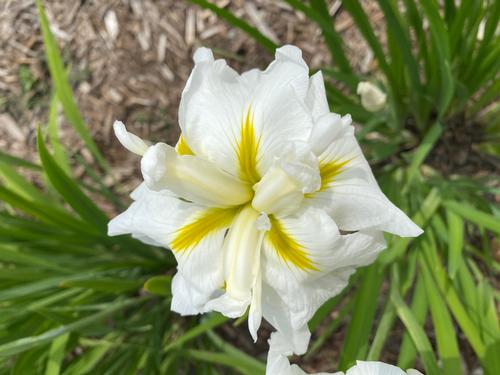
(129, 60)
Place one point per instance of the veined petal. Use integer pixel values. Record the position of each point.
(351, 194)
(159, 218)
(130, 141)
(192, 178)
(296, 244)
(302, 291)
(199, 226)
(241, 264)
(239, 122)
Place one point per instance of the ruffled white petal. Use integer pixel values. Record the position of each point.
(316, 96)
(299, 294)
(155, 218)
(326, 129)
(130, 141)
(192, 178)
(216, 103)
(353, 197)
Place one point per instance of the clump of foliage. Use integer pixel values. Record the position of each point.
(75, 301)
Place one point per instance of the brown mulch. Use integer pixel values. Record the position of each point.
(130, 60)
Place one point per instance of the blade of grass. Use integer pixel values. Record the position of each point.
(243, 367)
(419, 307)
(478, 217)
(56, 355)
(62, 87)
(396, 29)
(443, 326)
(428, 142)
(70, 191)
(53, 133)
(205, 325)
(442, 50)
(318, 12)
(14, 161)
(361, 19)
(25, 343)
(455, 305)
(45, 212)
(363, 313)
(456, 238)
(235, 352)
(415, 331)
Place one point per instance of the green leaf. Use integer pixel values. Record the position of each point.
(443, 326)
(453, 300)
(416, 332)
(159, 285)
(112, 285)
(474, 215)
(439, 35)
(14, 161)
(62, 87)
(456, 238)
(15, 182)
(48, 213)
(356, 339)
(430, 139)
(260, 38)
(396, 29)
(25, 343)
(53, 132)
(419, 307)
(242, 366)
(205, 325)
(56, 355)
(70, 191)
(361, 19)
(318, 13)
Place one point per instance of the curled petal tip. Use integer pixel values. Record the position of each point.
(128, 140)
(203, 54)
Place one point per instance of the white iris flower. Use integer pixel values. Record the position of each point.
(254, 198)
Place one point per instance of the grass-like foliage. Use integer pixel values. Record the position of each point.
(75, 301)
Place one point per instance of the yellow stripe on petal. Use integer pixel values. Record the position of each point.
(200, 226)
(328, 172)
(247, 150)
(287, 247)
(182, 147)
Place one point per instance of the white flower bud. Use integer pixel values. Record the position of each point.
(372, 98)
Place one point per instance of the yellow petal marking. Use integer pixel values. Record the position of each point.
(287, 247)
(182, 147)
(247, 149)
(200, 226)
(328, 171)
